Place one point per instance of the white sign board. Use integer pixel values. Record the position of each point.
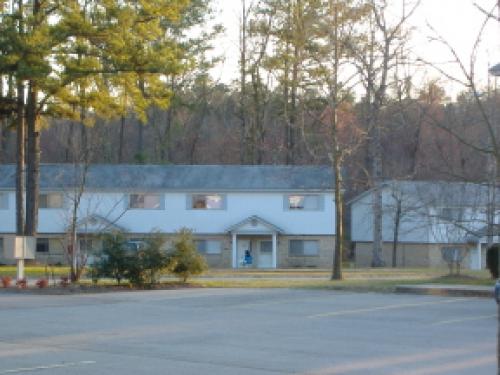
(19, 247)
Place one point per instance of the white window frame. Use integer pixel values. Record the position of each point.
(48, 195)
(161, 201)
(205, 250)
(191, 200)
(320, 202)
(303, 241)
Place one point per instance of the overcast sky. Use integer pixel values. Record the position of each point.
(458, 21)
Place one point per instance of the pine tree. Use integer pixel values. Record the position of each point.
(80, 60)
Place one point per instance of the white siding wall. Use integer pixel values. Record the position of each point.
(419, 224)
(239, 206)
(413, 227)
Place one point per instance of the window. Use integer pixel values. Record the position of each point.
(86, 244)
(145, 201)
(450, 213)
(1, 247)
(304, 202)
(51, 200)
(209, 246)
(4, 201)
(207, 202)
(266, 247)
(42, 245)
(300, 248)
(135, 244)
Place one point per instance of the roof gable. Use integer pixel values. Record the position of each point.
(254, 225)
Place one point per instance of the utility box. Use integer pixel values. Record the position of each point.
(19, 247)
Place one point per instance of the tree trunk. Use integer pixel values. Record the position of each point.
(121, 139)
(336, 152)
(20, 160)
(243, 89)
(339, 216)
(33, 161)
(377, 260)
(69, 149)
(395, 240)
(140, 143)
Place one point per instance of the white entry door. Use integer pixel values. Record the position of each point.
(265, 259)
(243, 247)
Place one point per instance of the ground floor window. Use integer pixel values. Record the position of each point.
(42, 245)
(1, 247)
(209, 246)
(299, 248)
(86, 244)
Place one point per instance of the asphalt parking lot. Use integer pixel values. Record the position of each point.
(246, 331)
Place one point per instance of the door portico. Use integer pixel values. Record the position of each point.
(255, 227)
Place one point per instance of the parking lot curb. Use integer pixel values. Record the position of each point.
(448, 290)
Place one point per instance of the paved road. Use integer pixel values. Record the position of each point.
(246, 332)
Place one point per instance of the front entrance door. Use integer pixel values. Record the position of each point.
(243, 247)
(265, 259)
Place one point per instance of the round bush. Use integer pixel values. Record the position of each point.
(492, 260)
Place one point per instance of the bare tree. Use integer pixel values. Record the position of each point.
(375, 61)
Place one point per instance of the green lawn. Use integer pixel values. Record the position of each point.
(35, 271)
(364, 279)
(381, 280)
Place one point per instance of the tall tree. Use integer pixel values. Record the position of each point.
(86, 55)
(376, 58)
(330, 71)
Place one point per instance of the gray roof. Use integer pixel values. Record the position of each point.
(440, 193)
(178, 177)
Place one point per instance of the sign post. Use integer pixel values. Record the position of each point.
(20, 248)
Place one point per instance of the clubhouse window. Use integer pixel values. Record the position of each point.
(145, 201)
(209, 246)
(51, 200)
(207, 202)
(304, 248)
(304, 202)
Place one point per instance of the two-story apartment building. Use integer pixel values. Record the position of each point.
(283, 216)
(424, 218)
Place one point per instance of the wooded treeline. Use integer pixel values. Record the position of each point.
(207, 131)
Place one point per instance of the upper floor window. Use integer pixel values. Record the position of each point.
(207, 202)
(301, 248)
(304, 202)
(145, 201)
(451, 213)
(51, 200)
(209, 246)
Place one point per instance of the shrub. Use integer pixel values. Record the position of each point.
(140, 266)
(454, 257)
(185, 260)
(6, 281)
(22, 283)
(114, 261)
(42, 283)
(492, 260)
(145, 267)
(64, 281)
